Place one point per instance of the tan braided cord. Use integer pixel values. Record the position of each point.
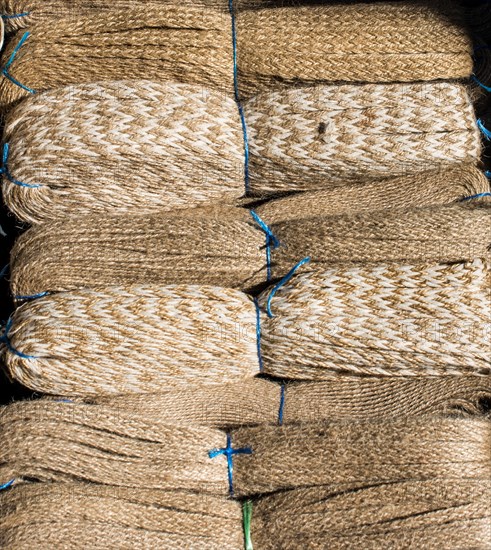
(122, 146)
(132, 146)
(302, 137)
(365, 42)
(171, 42)
(225, 246)
(382, 320)
(116, 452)
(430, 514)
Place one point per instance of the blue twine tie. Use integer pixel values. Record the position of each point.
(31, 296)
(237, 98)
(229, 452)
(5, 170)
(7, 485)
(16, 15)
(5, 339)
(270, 240)
(282, 405)
(5, 70)
(484, 130)
(258, 335)
(483, 86)
(478, 196)
(283, 281)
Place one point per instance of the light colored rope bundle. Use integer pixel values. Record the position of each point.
(385, 320)
(378, 42)
(258, 402)
(301, 138)
(171, 42)
(126, 146)
(122, 146)
(146, 454)
(423, 514)
(226, 246)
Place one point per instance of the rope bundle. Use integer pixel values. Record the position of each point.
(122, 145)
(126, 146)
(259, 402)
(170, 42)
(302, 137)
(227, 246)
(190, 43)
(380, 42)
(266, 459)
(427, 514)
(386, 320)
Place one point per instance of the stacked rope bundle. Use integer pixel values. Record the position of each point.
(236, 248)
(172, 42)
(260, 402)
(245, 461)
(179, 41)
(382, 320)
(424, 514)
(126, 146)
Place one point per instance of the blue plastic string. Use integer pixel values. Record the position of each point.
(31, 296)
(4, 271)
(270, 240)
(8, 175)
(16, 15)
(5, 339)
(5, 70)
(237, 97)
(7, 485)
(258, 334)
(229, 452)
(484, 130)
(283, 281)
(478, 196)
(282, 405)
(483, 86)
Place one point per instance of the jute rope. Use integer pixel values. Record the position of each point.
(258, 402)
(124, 146)
(149, 454)
(379, 42)
(424, 514)
(170, 42)
(302, 137)
(385, 320)
(393, 42)
(227, 246)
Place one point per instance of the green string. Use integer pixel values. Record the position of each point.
(247, 516)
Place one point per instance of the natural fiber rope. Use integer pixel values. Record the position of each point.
(385, 320)
(258, 402)
(122, 146)
(302, 138)
(425, 514)
(431, 188)
(378, 42)
(394, 42)
(148, 454)
(140, 146)
(226, 246)
(171, 42)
